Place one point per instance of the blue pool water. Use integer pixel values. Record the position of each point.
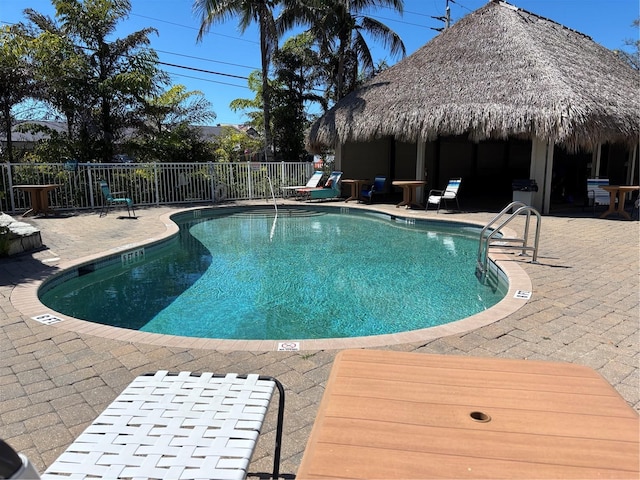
(306, 275)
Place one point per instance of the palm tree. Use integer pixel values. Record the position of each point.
(248, 11)
(92, 79)
(339, 27)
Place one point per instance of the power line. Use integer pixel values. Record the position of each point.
(194, 28)
(173, 74)
(206, 59)
(203, 70)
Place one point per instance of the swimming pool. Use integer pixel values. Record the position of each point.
(242, 274)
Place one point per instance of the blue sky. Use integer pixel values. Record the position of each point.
(225, 54)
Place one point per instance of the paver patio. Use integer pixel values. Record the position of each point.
(585, 309)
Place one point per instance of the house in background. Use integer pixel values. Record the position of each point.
(503, 94)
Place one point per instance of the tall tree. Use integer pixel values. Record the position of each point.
(248, 12)
(167, 128)
(296, 77)
(341, 28)
(292, 89)
(115, 72)
(16, 77)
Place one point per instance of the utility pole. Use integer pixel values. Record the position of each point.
(446, 18)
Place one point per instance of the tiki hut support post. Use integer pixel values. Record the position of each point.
(595, 163)
(338, 156)
(541, 170)
(631, 165)
(421, 168)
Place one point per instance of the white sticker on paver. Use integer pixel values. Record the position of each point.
(288, 346)
(47, 319)
(522, 294)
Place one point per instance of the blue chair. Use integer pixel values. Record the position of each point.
(376, 188)
(114, 198)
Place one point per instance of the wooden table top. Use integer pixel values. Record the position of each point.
(408, 183)
(407, 415)
(620, 188)
(34, 187)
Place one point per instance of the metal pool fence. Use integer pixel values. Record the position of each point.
(147, 183)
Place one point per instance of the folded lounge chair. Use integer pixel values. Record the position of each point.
(331, 188)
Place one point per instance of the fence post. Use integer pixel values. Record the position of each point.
(157, 185)
(212, 182)
(11, 192)
(92, 198)
(249, 182)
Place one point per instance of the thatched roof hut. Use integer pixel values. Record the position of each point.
(498, 72)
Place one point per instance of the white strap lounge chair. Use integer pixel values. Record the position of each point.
(595, 194)
(436, 197)
(176, 425)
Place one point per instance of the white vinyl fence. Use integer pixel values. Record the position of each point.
(147, 183)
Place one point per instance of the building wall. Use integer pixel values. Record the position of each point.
(366, 160)
(405, 161)
(488, 168)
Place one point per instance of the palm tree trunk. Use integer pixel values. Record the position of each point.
(266, 92)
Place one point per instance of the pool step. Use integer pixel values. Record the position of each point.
(282, 212)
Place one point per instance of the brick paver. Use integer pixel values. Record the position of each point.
(584, 310)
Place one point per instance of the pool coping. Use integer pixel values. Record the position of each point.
(24, 298)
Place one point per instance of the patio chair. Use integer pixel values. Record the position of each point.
(176, 425)
(331, 189)
(376, 188)
(595, 194)
(437, 197)
(114, 198)
(313, 182)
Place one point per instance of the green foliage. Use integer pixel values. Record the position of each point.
(16, 78)
(296, 77)
(247, 12)
(181, 144)
(165, 132)
(93, 81)
(339, 28)
(235, 146)
(253, 106)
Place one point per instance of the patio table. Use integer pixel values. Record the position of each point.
(388, 414)
(39, 196)
(620, 191)
(409, 194)
(356, 186)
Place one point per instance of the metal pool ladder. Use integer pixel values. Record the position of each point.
(488, 237)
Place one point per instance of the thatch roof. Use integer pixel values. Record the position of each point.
(498, 72)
